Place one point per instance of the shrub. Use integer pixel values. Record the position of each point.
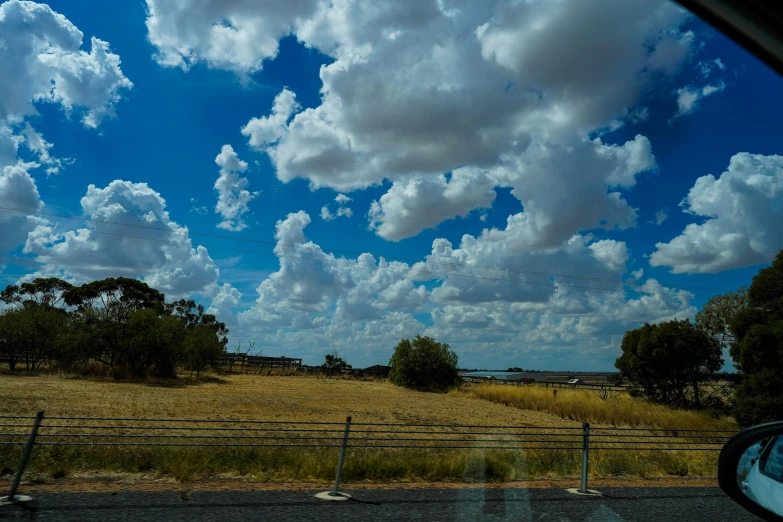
(424, 363)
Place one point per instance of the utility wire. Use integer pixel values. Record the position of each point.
(357, 253)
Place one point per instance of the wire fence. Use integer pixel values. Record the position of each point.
(117, 431)
(173, 432)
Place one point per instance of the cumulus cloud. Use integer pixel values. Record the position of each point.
(743, 211)
(463, 85)
(434, 117)
(567, 189)
(225, 299)
(311, 281)
(446, 101)
(43, 61)
(493, 295)
(340, 206)
(38, 145)
(238, 35)
(517, 272)
(164, 257)
(689, 98)
(231, 188)
(265, 131)
(420, 202)
(18, 190)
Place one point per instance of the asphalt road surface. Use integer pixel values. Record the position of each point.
(490, 504)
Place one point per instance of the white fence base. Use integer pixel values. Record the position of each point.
(17, 500)
(329, 495)
(587, 493)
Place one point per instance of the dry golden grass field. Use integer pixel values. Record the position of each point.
(257, 397)
(301, 398)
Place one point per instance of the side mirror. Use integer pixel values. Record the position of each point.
(750, 470)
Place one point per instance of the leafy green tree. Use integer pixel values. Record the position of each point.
(194, 315)
(424, 363)
(717, 314)
(32, 335)
(201, 348)
(104, 307)
(43, 291)
(758, 348)
(668, 362)
(11, 338)
(333, 362)
(121, 322)
(153, 342)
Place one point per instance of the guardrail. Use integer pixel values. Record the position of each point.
(122, 431)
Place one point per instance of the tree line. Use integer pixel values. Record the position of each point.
(120, 323)
(672, 361)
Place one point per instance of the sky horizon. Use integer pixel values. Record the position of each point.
(523, 180)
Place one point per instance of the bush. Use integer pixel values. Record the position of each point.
(424, 363)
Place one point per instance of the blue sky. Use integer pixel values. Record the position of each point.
(438, 122)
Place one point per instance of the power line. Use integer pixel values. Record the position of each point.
(357, 253)
(350, 261)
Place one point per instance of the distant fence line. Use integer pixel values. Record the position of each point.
(39, 430)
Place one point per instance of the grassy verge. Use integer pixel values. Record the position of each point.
(361, 465)
(587, 406)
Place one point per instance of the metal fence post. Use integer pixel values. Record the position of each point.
(585, 455)
(22, 464)
(335, 494)
(335, 491)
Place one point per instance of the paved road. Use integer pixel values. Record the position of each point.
(468, 505)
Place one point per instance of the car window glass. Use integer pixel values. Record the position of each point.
(772, 465)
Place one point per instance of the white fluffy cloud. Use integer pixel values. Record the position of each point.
(164, 257)
(447, 101)
(743, 210)
(420, 202)
(463, 85)
(567, 189)
(312, 282)
(18, 191)
(437, 116)
(340, 206)
(237, 35)
(42, 61)
(38, 145)
(265, 131)
(689, 98)
(223, 302)
(517, 272)
(363, 306)
(231, 188)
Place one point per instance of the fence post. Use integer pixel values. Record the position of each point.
(22, 464)
(335, 491)
(335, 494)
(585, 455)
